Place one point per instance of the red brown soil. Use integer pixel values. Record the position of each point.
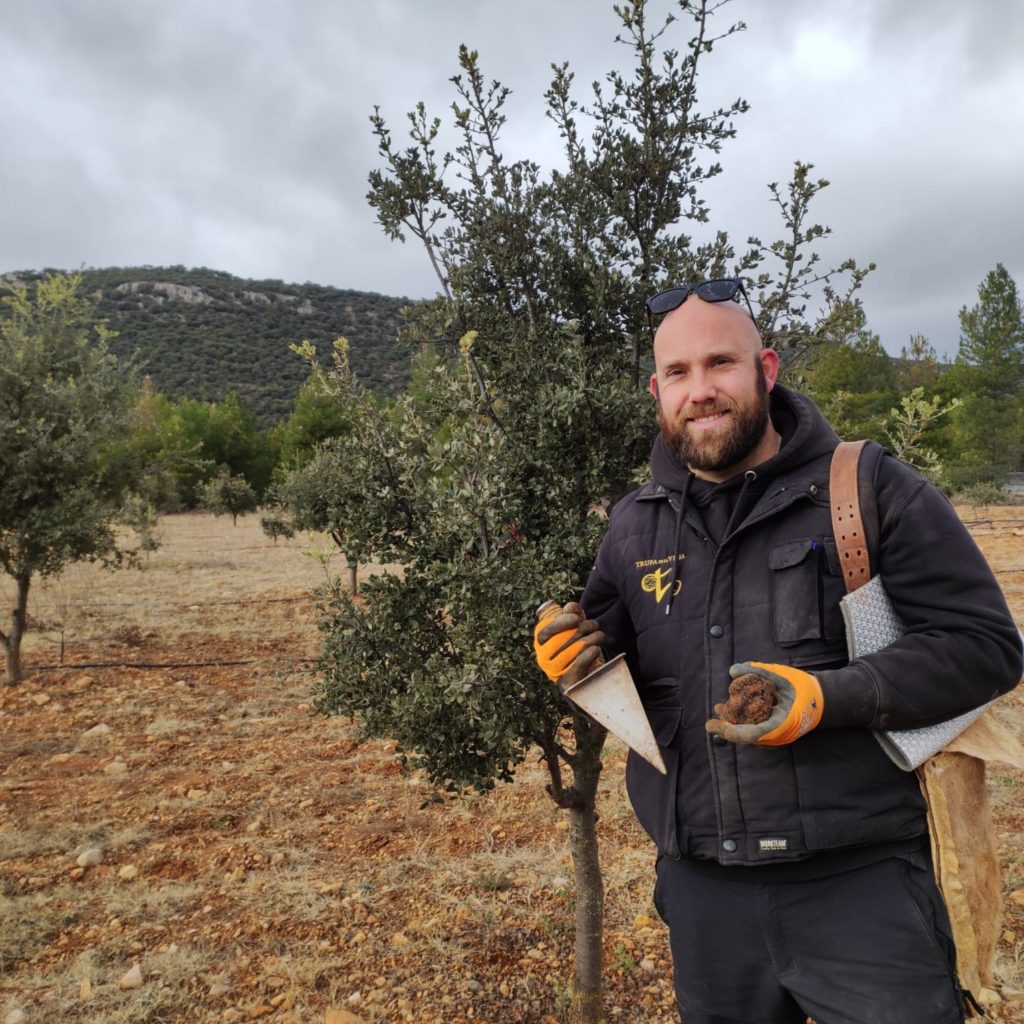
(283, 864)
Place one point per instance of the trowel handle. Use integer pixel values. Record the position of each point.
(546, 611)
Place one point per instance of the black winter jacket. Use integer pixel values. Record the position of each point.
(684, 608)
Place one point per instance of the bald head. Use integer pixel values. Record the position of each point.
(696, 318)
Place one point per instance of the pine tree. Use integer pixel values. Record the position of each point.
(989, 378)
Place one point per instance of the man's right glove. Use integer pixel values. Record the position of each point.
(566, 643)
(798, 710)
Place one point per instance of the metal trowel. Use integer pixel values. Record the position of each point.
(608, 695)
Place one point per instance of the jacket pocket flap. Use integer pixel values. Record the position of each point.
(664, 723)
(791, 553)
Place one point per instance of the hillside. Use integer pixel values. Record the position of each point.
(201, 333)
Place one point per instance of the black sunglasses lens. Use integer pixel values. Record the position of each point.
(718, 291)
(666, 301)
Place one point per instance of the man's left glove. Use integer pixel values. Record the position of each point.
(798, 709)
(567, 644)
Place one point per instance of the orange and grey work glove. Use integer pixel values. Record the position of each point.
(798, 709)
(567, 643)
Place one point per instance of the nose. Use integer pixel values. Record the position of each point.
(702, 388)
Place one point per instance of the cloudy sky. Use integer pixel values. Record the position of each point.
(234, 134)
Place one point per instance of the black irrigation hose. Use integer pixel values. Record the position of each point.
(29, 669)
(997, 527)
(205, 604)
(130, 604)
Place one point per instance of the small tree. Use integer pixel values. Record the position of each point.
(276, 523)
(907, 430)
(63, 399)
(141, 515)
(489, 482)
(228, 494)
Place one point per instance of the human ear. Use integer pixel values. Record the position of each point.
(770, 364)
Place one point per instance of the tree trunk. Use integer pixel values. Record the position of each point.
(12, 642)
(587, 1000)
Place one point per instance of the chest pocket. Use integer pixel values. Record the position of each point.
(807, 586)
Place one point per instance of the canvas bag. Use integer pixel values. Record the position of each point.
(949, 758)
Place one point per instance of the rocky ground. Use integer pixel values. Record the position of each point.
(183, 838)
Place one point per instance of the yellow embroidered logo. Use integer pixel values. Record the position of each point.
(659, 581)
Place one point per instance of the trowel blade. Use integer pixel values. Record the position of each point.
(609, 696)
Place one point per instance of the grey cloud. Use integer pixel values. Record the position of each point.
(235, 133)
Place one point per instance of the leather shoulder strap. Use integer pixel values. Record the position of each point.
(847, 524)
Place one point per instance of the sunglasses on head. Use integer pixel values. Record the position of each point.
(720, 289)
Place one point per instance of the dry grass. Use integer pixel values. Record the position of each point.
(88, 990)
(68, 839)
(283, 865)
(207, 578)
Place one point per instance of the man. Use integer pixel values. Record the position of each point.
(793, 868)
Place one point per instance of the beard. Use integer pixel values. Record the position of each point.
(723, 448)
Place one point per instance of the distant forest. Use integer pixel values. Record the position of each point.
(203, 333)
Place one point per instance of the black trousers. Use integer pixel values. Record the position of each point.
(868, 946)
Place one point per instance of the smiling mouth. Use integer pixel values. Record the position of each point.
(708, 419)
